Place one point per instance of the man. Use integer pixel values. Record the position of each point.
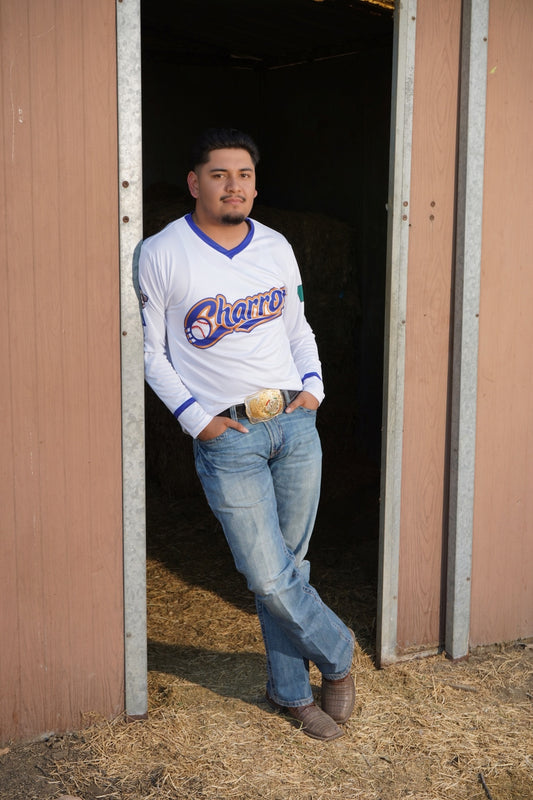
(229, 351)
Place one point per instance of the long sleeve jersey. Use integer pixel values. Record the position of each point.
(221, 324)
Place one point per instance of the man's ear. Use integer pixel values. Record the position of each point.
(192, 183)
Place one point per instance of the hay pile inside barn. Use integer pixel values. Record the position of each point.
(425, 730)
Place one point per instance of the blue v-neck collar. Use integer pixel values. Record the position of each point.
(211, 242)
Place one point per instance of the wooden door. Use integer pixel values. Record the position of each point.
(61, 523)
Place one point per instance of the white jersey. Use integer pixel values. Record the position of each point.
(220, 324)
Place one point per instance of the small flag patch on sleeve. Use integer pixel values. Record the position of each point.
(301, 293)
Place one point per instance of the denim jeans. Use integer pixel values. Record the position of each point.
(264, 487)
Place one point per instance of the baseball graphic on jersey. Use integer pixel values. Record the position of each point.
(200, 329)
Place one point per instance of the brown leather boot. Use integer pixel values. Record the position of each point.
(313, 720)
(338, 698)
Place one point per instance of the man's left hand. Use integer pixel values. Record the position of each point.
(305, 399)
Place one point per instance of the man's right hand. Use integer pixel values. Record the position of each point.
(217, 426)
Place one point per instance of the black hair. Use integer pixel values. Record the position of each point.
(220, 139)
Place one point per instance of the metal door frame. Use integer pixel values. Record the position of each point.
(133, 453)
(467, 272)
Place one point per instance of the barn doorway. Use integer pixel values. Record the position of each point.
(311, 82)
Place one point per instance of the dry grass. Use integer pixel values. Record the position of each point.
(425, 729)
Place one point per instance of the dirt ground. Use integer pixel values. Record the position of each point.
(425, 729)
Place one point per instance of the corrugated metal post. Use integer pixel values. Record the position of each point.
(133, 471)
(396, 299)
(466, 313)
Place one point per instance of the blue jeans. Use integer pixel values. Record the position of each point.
(263, 487)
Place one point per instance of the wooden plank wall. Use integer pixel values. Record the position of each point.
(502, 569)
(430, 215)
(60, 489)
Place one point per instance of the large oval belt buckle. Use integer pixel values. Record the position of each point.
(264, 405)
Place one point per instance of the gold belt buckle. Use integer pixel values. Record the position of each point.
(264, 404)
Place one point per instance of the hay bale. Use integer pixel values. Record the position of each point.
(163, 203)
(169, 459)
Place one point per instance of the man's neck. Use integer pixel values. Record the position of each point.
(227, 236)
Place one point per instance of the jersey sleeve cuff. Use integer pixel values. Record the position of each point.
(313, 384)
(192, 418)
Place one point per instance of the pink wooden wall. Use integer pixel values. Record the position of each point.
(502, 576)
(502, 583)
(431, 219)
(61, 650)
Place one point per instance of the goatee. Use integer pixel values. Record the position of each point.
(232, 219)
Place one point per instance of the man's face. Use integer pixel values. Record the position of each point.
(224, 187)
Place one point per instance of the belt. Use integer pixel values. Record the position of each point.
(239, 410)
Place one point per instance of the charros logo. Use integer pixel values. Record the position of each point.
(211, 319)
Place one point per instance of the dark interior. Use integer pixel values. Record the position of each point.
(310, 81)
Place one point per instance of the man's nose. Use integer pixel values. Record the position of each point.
(232, 183)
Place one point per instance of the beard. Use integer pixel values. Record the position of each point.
(232, 219)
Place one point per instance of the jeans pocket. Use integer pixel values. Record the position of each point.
(222, 437)
(310, 411)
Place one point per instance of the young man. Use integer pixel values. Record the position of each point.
(229, 351)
